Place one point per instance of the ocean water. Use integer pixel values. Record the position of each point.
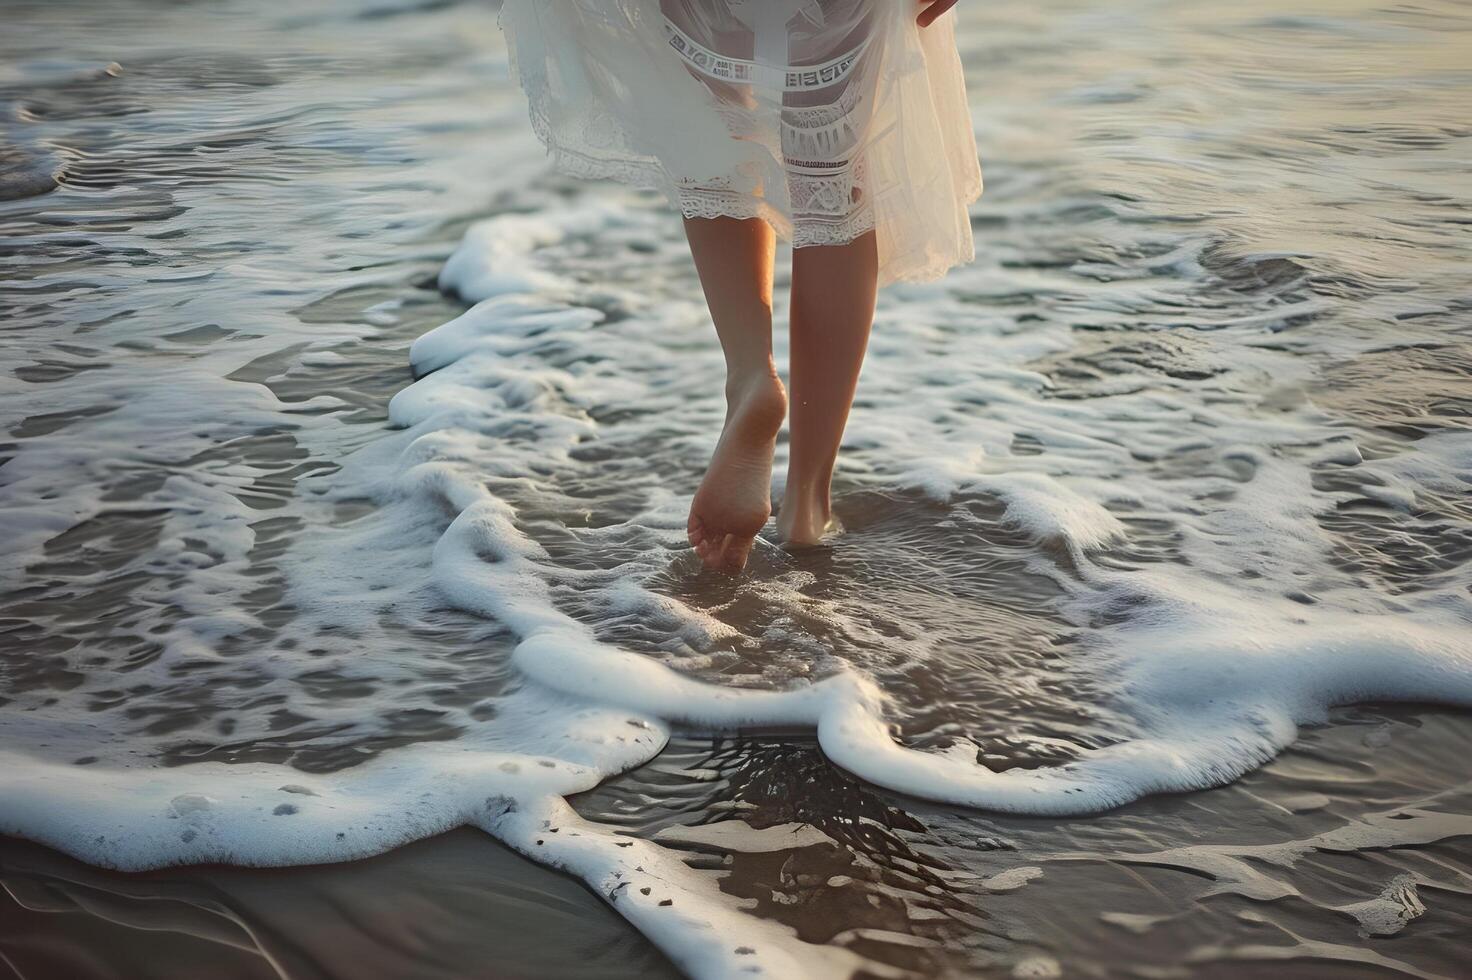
(347, 455)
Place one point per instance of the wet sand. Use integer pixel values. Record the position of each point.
(456, 905)
(1348, 856)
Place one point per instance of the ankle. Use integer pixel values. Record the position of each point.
(757, 391)
(805, 515)
(810, 496)
(745, 378)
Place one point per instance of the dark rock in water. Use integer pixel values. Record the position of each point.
(24, 173)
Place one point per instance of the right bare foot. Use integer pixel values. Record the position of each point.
(735, 498)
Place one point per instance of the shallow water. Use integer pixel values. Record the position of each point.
(1179, 463)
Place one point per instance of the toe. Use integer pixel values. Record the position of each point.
(737, 553)
(721, 554)
(712, 550)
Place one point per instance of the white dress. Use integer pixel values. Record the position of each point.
(827, 118)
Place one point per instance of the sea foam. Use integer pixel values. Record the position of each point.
(1214, 671)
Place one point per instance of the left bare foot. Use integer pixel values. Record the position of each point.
(735, 498)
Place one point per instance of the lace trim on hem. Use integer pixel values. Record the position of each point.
(802, 229)
(638, 172)
(794, 78)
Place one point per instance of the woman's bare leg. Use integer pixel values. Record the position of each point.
(734, 258)
(833, 293)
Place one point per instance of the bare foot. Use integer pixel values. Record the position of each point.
(804, 517)
(735, 498)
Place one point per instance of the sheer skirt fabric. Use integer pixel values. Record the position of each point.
(826, 118)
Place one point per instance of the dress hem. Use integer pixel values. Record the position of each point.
(650, 176)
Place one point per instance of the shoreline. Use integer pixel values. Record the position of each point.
(456, 905)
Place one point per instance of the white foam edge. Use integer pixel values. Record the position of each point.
(1204, 734)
